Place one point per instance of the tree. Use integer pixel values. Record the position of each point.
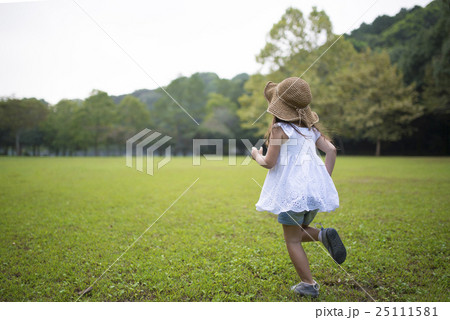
(61, 128)
(18, 116)
(378, 106)
(132, 117)
(254, 105)
(172, 120)
(324, 87)
(97, 114)
(221, 119)
(293, 35)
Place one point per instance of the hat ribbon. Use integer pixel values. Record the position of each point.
(301, 114)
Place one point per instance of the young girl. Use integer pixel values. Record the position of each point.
(298, 184)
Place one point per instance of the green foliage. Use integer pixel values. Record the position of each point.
(378, 105)
(216, 100)
(389, 31)
(325, 86)
(254, 105)
(98, 116)
(171, 119)
(132, 117)
(19, 116)
(61, 128)
(427, 37)
(418, 42)
(221, 119)
(132, 113)
(292, 35)
(415, 39)
(149, 97)
(231, 89)
(211, 101)
(66, 220)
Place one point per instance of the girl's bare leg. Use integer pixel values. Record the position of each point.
(310, 232)
(293, 236)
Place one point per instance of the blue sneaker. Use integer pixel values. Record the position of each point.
(306, 289)
(334, 245)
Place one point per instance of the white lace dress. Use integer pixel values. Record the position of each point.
(299, 180)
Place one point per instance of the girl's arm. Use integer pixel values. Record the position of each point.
(330, 153)
(270, 159)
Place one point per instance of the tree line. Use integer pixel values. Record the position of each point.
(381, 89)
(101, 124)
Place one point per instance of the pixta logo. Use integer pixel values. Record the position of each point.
(147, 139)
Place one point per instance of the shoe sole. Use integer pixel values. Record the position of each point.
(337, 248)
(313, 295)
(306, 295)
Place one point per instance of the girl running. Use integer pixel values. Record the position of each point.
(298, 184)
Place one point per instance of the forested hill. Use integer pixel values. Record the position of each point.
(211, 83)
(418, 42)
(414, 38)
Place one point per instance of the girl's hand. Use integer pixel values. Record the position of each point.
(256, 152)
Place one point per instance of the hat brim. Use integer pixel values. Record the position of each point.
(269, 90)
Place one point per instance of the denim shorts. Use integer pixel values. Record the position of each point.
(297, 218)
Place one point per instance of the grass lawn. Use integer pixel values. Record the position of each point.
(64, 221)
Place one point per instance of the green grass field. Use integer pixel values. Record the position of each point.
(65, 220)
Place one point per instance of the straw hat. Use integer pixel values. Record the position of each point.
(289, 101)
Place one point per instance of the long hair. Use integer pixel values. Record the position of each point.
(317, 126)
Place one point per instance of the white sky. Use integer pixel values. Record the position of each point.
(52, 50)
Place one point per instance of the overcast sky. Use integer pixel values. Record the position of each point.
(53, 50)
